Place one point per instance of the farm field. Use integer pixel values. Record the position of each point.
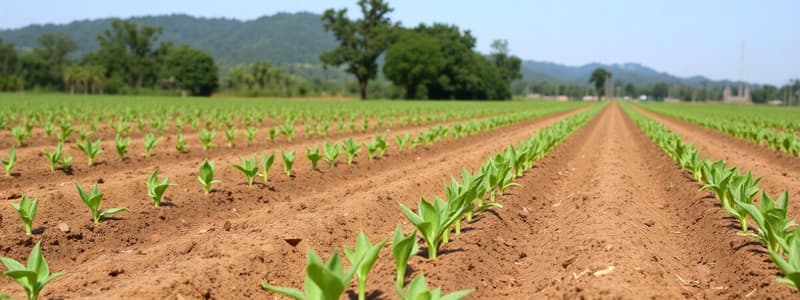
(546, 200)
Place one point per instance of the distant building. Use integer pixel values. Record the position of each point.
(642, 97)
(742, 97)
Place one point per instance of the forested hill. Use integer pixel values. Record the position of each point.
(298, 39)
(284, 38)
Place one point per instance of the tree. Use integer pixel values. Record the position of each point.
(195, 70)
(9, 61)
(360, 41)
(415, 59)
(508, 65)
(54, 50)
(598, 78)
(129, 51)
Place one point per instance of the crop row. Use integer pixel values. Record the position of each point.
(779, 134)
(474, 194)
(736, 193)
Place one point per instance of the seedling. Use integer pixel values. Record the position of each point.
(54, 157)
(313, 155)
(230, 135)
(206, 137)
(418, 290)
(250, 133)
(331, 153)
(9, 163)
(287, 130)
(266, 162)
(27, 210)
(249, 168)
(180, 143)
(122, 146)
(434, 220)
(20, 134)
(206, 176)
(93, 202)
(326, 281)
(66, 163)
(155, 189)
(288, 161)
(33, 277)
(403, 247)
(364, 253)
(402, 140)
(351, 149)
(150, 143)
(91, 150)
(273, 134)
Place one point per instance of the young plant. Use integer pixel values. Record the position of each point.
(150, 143)
(314, 156)
(230, 135)
(27, 210)
(266, 162)
(273, 134)
(402, 140)
(249, 168)
(418, 290)
(180, 144)
(351, 149)
(434, 220)
(326, 281)
(250, 133)
(287, 130)
(93, 202)
(91, 150)
(288, 161)
(403, 247)
(66, 131)
(206, 137)
(789, 267)
(9, 163)
(364, 253)
(122, 145)
(33, 277)
(20, 134)
(206, 176)
(331, 153)
(155, 189)
(66, 163)
(54, 157)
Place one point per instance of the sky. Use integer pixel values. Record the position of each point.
(681, 37)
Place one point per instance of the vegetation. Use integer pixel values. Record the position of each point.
(33, 277)
(93, 199)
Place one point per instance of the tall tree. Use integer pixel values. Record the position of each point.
(54, 50)
(9, 61)
(360, 41)
(130, 51)
(508, 65)
(194, 70)
(415, 59)
(598, 78)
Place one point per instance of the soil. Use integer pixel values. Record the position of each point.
(605, 215)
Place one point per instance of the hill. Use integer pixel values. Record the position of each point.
(295, 40)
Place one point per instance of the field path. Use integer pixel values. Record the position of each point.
(608, 215)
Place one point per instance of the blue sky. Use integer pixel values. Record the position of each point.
(682, 37)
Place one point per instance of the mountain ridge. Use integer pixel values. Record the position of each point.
(296, 40)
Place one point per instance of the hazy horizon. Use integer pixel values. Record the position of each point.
(682, 37)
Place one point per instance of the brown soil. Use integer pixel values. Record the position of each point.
(605, 197)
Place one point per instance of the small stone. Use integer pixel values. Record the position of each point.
(569, 261)
(605, 271)
(226, 226)
(63, 227)
(650, 223)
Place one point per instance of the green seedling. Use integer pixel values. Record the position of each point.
(33, 277)
(91, 149)
(27, 210)
(366, 253)
(288, 162)
(150, 143)
(66, 162)
(180, 143)
(266, 162)
(249, 168)
(250, 133)
(418, 290)
(121, 144)
(313, 155)
(351, 149)
(155, 189)
(323, 281)
(403, 247)
(54, 157)
(206, 176)
(206, 138)
(9, 163)
(93, 202)
(230, 135)
(331, 153)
